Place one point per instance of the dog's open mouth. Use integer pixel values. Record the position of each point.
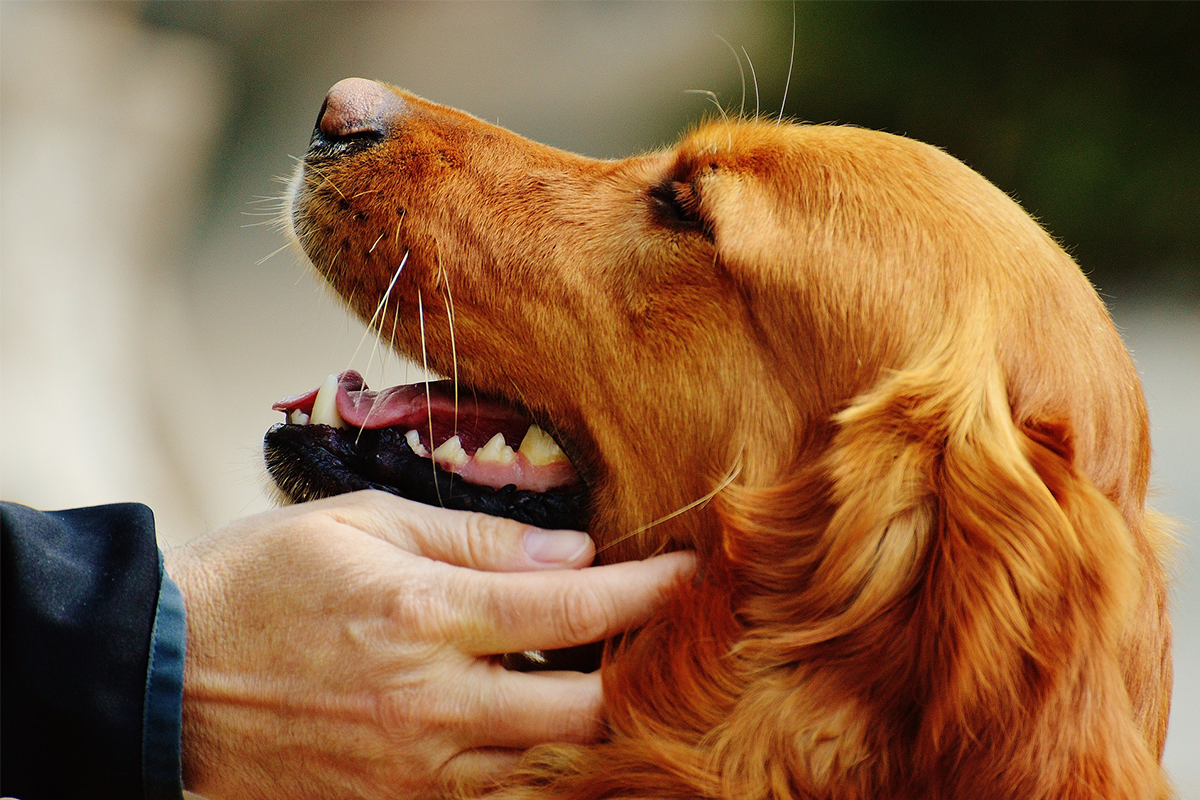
(425, 442)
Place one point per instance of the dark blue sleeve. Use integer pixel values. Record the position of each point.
(81, 596)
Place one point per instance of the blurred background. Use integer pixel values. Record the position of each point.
(147, 321)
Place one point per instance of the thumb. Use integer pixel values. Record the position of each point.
(466, 538)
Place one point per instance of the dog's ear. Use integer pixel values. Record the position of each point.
(957, 573)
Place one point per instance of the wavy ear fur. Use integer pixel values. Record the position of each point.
(965, 592)
(934, 609)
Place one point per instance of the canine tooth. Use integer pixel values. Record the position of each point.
(324, 410)
(539, 448)
(298, 417)
(414, 441)
(495, 452)
(451, 452)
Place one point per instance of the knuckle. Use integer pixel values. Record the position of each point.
(581, 725)
(586, 615)
(482, 541)
(396, 713)
(411, 711)
(417, 608)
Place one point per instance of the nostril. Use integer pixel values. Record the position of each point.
(356, 109)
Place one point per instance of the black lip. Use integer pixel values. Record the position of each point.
(308, 462)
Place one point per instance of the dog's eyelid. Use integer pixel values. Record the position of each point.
(678, 202)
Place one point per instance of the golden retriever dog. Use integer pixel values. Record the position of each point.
(885, 408)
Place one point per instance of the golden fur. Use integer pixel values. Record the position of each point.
(931, 575)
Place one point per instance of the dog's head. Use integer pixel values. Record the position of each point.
(924, 444)
(705, 310)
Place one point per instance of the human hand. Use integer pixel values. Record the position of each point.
(342, 648)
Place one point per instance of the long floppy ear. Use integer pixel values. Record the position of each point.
(968, 587)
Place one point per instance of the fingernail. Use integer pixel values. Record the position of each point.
(555, 546)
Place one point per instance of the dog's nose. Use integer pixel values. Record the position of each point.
(356, 109)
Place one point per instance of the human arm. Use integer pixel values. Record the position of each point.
(81, 594)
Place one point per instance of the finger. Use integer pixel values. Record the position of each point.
(468, 773)
(505, 613)
(523, 709)
(465, 538)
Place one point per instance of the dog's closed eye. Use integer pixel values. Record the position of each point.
(677, 204)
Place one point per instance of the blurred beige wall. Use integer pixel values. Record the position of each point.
(105, 130)
(143, 337)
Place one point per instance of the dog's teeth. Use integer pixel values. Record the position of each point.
(298, 417)
(324, 410)
(451, 452)
(495, 452)
(539, 448)
(414, 441)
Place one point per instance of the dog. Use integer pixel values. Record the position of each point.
(885, 408)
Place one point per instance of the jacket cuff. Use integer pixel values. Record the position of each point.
(163, 706)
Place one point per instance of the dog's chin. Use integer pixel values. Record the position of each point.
(424, 442)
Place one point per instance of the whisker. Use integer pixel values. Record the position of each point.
(378, 307)
(273, 220)
(741, 72)
(449, 298)
(428, 401)
(326, 178)
(392, 338)
(791, 63)
(444, 281)
(371, 360)
(753, 75)
(519, 393)
(272, 254)
(711, 96)
(376, 244)
(698, 503)
(378, 328)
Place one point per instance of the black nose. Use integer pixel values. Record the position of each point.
(356, 112)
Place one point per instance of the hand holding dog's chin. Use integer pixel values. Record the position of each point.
(341, 648)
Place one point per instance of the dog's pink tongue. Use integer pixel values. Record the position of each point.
(409, 405)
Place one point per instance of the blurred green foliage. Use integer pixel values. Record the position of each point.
(1087, 113)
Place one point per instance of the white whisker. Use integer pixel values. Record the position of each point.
(272, 254)
(791, 63)
(698, 503)
(273, 220)
(741, 72)
(711, 96)
(428, 401)
(392, 338)
(449, 298)
(378, 307)
(376, 324)
(753, 75)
